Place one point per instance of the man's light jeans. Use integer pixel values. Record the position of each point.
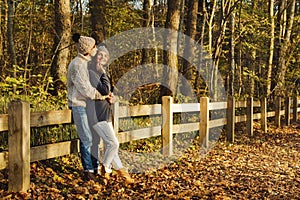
(85, 136)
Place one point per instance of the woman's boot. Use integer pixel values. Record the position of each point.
(124, 174)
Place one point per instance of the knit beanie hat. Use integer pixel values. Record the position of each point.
(102, 47)
(84, 44)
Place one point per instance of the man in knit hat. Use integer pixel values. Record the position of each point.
(79, 90)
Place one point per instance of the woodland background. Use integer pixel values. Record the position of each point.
(254, 45)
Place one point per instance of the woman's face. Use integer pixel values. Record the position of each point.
(102, 58)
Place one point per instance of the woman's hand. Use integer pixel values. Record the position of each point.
(111, 98)
(100, 68)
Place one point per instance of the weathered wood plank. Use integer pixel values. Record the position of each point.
(188, 127)
(54, 150)
(44, 152)
(271, 114)
(167, 126)
(277, 111)
(231, 119)
(287, 111)
(241, 104)
(295, 106)
(140, 110)
(217, 122)
(19, 146)
(46, 118)
(186, 107)
(263, 111)
(139, 134)
(3, 122)
(256, 104)
(217, 105)
(204, 122)
(249, 113)
(257, 116)
(3, 160)
(240, 118)
(115, 116)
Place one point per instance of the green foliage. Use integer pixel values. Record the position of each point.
(121, 17)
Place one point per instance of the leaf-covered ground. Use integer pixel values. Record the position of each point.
(264, 167)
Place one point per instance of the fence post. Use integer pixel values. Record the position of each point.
(230, 119)
(277, 111)
(18, 146)
(264, 115)
(167, 128)
(295, 108)
(288, 111)
(115, 110)
(249, 114)
(204, 120)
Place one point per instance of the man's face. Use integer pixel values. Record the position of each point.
(93, 51)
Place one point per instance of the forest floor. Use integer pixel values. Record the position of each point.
(266, 166)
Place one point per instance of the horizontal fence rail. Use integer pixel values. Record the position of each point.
(19, 120)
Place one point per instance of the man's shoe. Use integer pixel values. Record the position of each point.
(89, 176)
(97, 172)
(105, 176)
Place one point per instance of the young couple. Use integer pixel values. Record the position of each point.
(89, 97)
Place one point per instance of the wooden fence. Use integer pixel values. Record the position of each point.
(19, 120)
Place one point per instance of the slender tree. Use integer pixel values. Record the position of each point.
(10, 33)
(170, 57)
(203, 18)
(147, 7)
(191, 25)
(97, 10)
(239, 53)
(271, 51)
(61, 43)
(227, 7)
(283, 58)
(232, 54)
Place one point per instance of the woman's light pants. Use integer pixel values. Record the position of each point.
(105, 130)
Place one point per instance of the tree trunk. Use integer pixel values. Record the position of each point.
(170, 72)
(210, 71)
(202, 61)
(10, 33)
(239, 56)
(252, 65)
(10, 38)
(61, 43)
(147, 6)
(210, 28)
(97, 9)
(232, 62)
(29, 44)
(284, 49)
(1, 34)
(3, 23)
(225, 12)
(191, 25)
(271, 52)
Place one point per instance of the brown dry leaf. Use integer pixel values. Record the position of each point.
(266, 166)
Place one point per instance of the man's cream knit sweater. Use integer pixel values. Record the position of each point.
(78, 83)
